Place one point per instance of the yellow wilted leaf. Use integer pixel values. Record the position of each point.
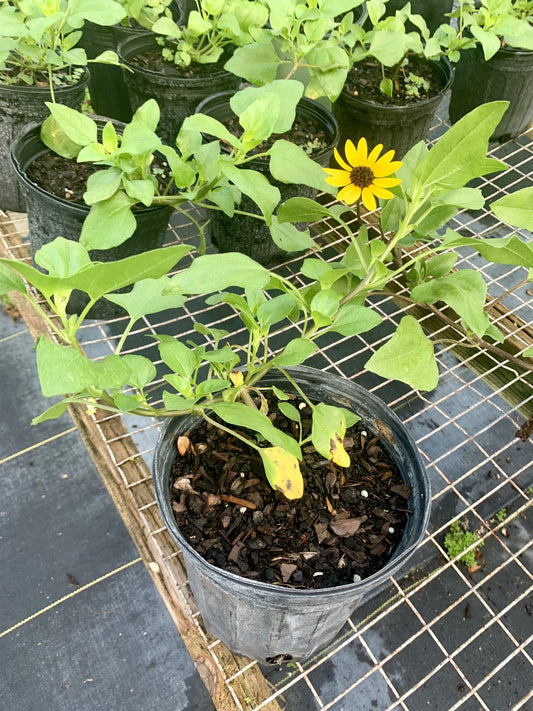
(236, 378)
(283, 471)
(338, 454)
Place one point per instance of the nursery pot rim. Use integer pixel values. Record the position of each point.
(443, 62)
(21, 168)
(148, 39)
(37, 90)
(304, 103)
(360, 587)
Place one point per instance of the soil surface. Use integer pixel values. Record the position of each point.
(40, 79)
(64, 177)
(364, 78)
(348, 522)
(305, 132)
(154, 62)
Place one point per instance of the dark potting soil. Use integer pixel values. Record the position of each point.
(348, 522)
(305, 132)
(154, 62)
(13, 75)
(65, 177)
(364, 78)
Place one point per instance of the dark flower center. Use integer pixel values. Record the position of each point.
(362, 176)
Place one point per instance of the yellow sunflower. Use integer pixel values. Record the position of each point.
(364, 175)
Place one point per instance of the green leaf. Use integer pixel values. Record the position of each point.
(211, 127)
(215, 272)
(102, 185)
(408, 356)
(140, 190)
(147, 297)
(282, 94)
(352, 319)
(62, 257)
(240, 415)
(174, 402)
(275, 310)
(214, 385)
(295, 352)
(289, 238)
(54, 138)
(461, 153)
(78, 127)
(142, 370)
(290, 164)
(256, 186)
(64, 370)
(9, 281)
(179, 358)
(257, 63)
(464, 290)
(109, 223)
(439, 265)
(516, 209)
(53, 412)
(302, 210)
(326, 303)
(290, 411)
(504, 250)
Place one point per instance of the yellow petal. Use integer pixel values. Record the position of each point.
(369, 201)
(380, 192)
(362, 151)
(349, 194)
(340, 160)
(386, 166)
(339, 178)
(374, 153)
(386, 182)
(352, 155)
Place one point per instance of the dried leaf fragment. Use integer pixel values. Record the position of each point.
(183, 444)
(346, 528)
(287, 569)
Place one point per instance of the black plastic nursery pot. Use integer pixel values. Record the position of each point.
(507, 76)
(177, 94)
(249, 235)
(109, 94)
(18, 106)
(396, 127)
(269, 622)
(50, 217)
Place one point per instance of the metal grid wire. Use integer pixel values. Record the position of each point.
(406, 648)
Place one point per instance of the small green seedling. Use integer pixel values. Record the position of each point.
(458, 539)
(501, 515)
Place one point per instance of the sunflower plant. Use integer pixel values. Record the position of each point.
(223, 376)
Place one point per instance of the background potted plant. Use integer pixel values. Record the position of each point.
(300, 42)
(129, 196)
(397, 78)
(497, 62)
(39, 61)
(109, 94)
(205, 383)
(307, 130)
(181, 65)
